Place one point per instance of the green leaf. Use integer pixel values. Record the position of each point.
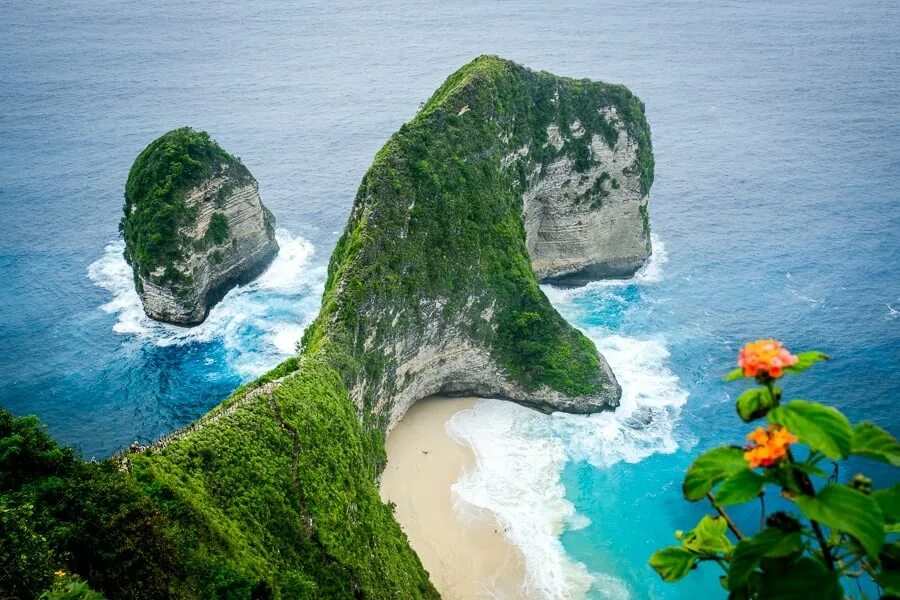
(890, 582)
(849, 511)
(809, 469)
(820, 427)
(754, 404)
(742, 486)
(805, 360)
(888, 500)
(710, 468)
(734, 375)
(770, 542)
(872, 441)
(798, 580)
(672, 563)
(889, 577)
(708, 537)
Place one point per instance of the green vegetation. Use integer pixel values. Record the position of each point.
(833, 536)
(57, 512)
(70, 587)
(276, 501)
(218, 229)
(273, 493)
(155, 209)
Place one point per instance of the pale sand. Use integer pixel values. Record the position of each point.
(466, 559)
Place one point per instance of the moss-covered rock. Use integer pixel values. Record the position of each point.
(194, 226)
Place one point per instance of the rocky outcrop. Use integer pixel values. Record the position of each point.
(448, 363)
(192, 240)
(593, 224)
(505, 174)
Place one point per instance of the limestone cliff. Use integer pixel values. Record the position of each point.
(589, 221)
(505, 173)
(194, 226)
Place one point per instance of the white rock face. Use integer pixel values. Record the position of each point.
(450, 364)
(590, 225)
(213, 267)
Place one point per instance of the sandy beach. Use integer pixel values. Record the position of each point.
(466, 558)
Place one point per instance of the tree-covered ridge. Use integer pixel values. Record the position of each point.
(155, 209)
(526, 102)
(274, 496)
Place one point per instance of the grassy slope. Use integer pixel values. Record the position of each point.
(274, 495)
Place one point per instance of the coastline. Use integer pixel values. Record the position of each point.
(466, 557)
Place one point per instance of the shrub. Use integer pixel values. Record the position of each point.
(832, 534)
(70, 587)
(218, 229)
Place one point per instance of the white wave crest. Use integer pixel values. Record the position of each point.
(517, 477)
(259, 324)
(650, 272)
(521, 454)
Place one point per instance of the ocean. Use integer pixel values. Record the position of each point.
(775, 212)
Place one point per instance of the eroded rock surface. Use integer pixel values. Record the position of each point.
(192, 238)
(506, 176)
(593, 224)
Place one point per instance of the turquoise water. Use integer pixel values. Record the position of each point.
(775, 212)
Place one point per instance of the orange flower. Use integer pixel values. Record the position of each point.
(769, 446)
(765, 358)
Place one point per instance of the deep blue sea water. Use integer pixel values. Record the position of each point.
(775, 211)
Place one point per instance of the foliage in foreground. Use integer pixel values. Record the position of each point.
(834, 536)
(58, 512)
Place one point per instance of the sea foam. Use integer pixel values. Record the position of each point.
(258, 324)
(520, 453)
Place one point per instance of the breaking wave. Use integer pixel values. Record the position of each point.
(521, 454)
(258, 324)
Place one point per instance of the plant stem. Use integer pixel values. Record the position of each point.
(808, 489)
(762, 510)
(724, 515)
(776, 400)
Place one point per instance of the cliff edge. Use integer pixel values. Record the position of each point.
(194, 226)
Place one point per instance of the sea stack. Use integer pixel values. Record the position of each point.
(505, 178)
(194, 226)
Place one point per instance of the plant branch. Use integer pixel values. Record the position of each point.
(762, 510)
(734, 529)
(808, 489)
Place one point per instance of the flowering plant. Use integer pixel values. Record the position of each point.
(832, 535)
